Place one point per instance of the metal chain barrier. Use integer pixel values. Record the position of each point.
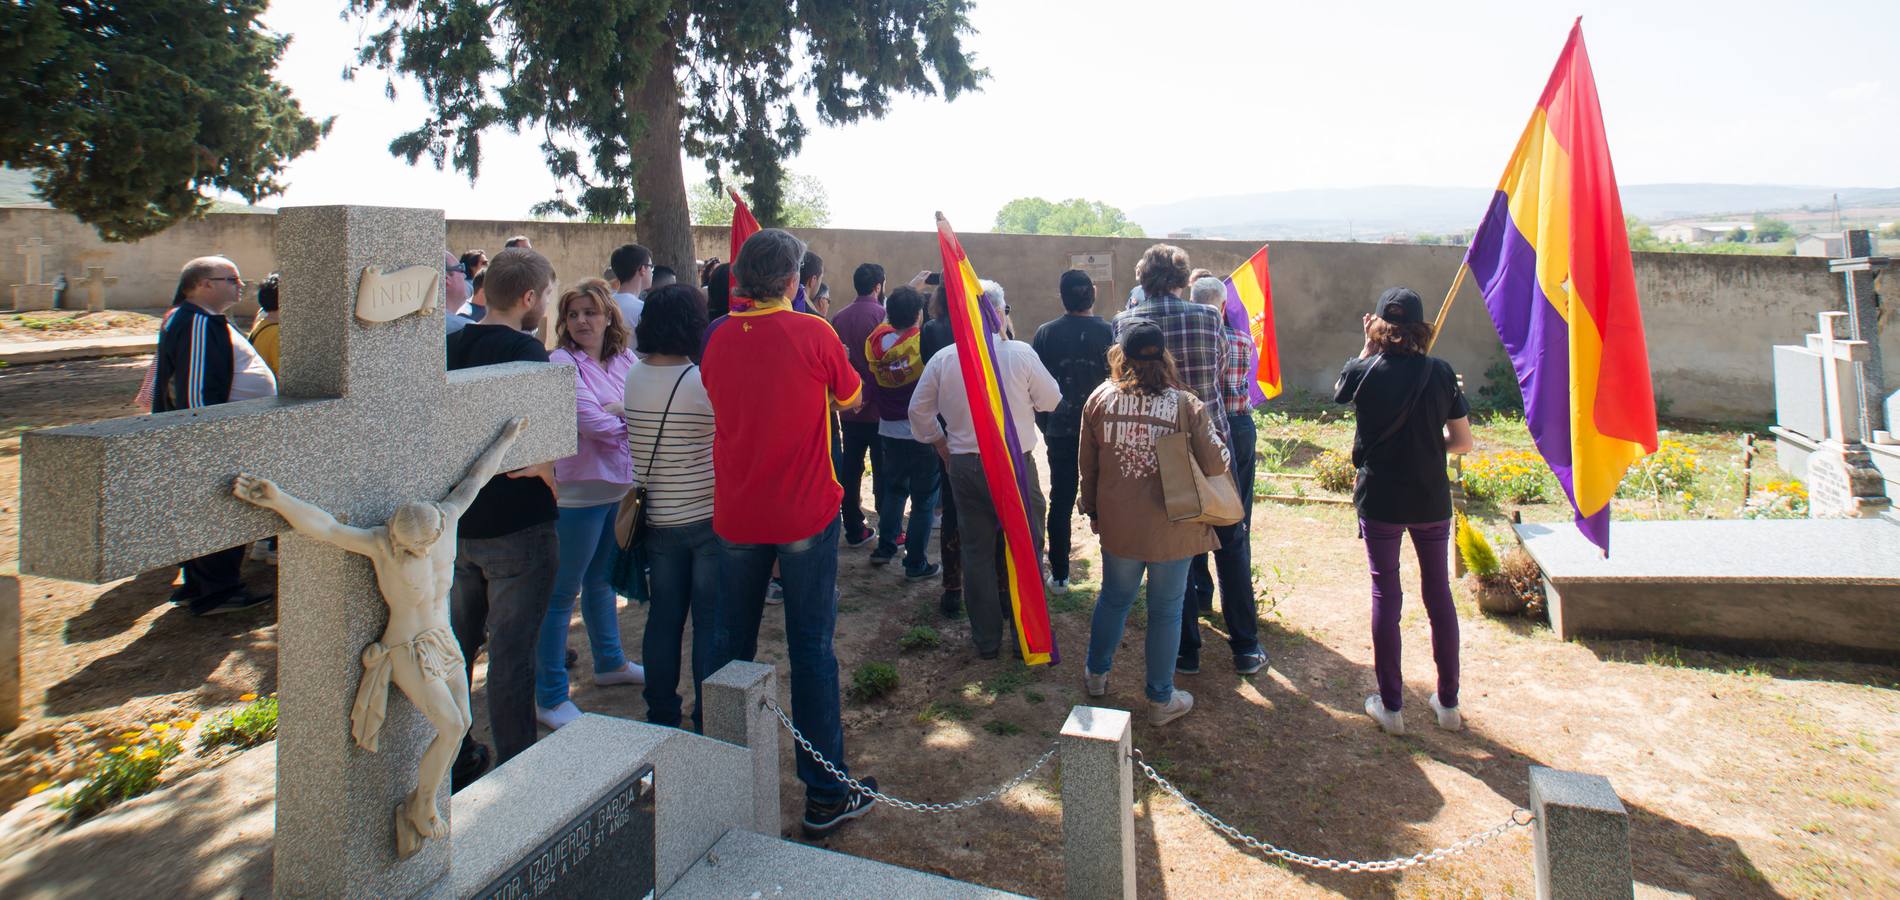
(862, 788)
(1519, 818)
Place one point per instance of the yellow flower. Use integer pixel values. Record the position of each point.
(131, 735)
(38, 788)
(148, 753)
(246, 698)
(161, 728)
(118, 749)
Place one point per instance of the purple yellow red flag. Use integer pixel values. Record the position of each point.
(1552, 258)
(974, 324)
(1250, 309)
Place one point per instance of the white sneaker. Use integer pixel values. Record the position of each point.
(558, 716)
(1059, 586)
(1448, 716)
(261, 552)
(631, 673)
(774, 593)
(1177, 706)
(1097, 684)
(1393, 721)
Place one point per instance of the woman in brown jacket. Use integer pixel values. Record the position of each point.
(1142, 401)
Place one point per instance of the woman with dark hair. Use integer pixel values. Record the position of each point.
(670, 426)
(592, 338)
(1142, 401)
(1410, 413)
(718, 291)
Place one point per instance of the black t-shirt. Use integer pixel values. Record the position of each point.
(935, 335)
(1401, 479)
(506, 505)
(1075, 350)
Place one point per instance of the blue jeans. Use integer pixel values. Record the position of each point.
(1233, 562)
(911, 476)
(586, 558)
(1121, 580)
(686, 562)
(809, 570)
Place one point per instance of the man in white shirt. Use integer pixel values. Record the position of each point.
(633, 275)
(1028, 388)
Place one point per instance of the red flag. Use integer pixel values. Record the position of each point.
(743, 226)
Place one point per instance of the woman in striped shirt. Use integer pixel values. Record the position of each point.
(670, 428)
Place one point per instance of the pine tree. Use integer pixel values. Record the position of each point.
(129, 112)
(632, 82)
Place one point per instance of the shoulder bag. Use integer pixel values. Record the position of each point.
(1192, 496)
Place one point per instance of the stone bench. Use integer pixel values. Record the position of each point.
(1793, 586)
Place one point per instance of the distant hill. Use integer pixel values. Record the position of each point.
(1369, 213)
(16, 189)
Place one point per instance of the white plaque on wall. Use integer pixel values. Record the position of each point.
(386, 296)
(1100, 266)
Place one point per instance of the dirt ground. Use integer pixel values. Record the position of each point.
(1744, 777)
(65, 324)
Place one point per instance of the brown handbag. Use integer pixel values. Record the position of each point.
(1192, 496)
(631, 519)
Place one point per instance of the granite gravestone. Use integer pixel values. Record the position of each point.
(33, 292)
(95, 283)
(367, 420)
(1842, 480)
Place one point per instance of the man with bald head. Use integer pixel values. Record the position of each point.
(204, 360)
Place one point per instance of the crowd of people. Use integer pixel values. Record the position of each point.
(724, 439)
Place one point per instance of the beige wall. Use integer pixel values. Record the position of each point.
(1710, 319)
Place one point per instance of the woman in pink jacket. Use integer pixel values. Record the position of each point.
(594, 340)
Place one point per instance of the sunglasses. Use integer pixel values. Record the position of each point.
(458, 267)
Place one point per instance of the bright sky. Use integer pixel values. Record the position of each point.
(1138, 103)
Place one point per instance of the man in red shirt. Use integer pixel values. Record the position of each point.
(774, 376)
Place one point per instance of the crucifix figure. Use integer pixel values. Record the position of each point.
(414, 556)
(367, 423)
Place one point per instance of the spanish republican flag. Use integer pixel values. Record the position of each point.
(1250, 309)
(743, 226)
(971, 322)
(1553, 261)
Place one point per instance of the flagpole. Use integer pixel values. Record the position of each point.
(1438, 325)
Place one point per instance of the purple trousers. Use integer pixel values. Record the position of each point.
(1430, 540)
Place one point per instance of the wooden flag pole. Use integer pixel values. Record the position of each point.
(1438, 325)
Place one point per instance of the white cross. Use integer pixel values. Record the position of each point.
(1838, 356)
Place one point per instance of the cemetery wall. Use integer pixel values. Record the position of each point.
(1711, 319)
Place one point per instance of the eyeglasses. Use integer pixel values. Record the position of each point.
(231, 278)
(458, 267)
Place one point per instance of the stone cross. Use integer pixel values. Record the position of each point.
(367, 419)
(35, 251)
(1858, 270)
(95, 283)
(1838, 358)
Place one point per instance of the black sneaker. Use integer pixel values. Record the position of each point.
(866, 536)
(822, 819)
(1250, 663)
(929, 570)
(880, 558)
(1185, 666)
(470, 764)
(573, 656)
(229, 603)
(951, 603)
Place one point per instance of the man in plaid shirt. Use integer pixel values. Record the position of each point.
(1193, 331)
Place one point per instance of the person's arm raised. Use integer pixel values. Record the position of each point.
(485, 467)
(306, 518)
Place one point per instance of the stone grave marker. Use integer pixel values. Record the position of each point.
(1842, 480)
(33, 293)
(95, 283)
(368, 419)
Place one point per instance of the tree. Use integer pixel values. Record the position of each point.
(128, 112)
(1034, 215)
(619, 87)
(1642, 238)
(1737, 235)
(1768, 231)
(806, 205)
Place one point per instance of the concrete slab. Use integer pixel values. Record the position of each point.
(28, 352)
(748, 864)
(1802, 586)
